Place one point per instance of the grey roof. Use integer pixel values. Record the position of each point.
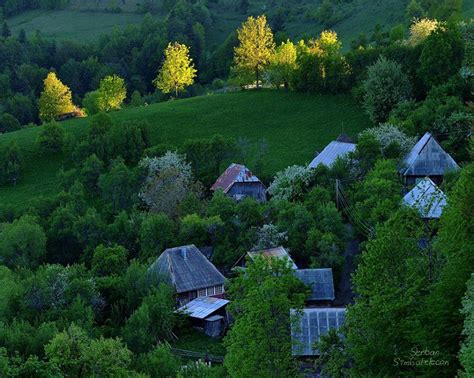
(187, 269)
(202, 307)
(313, 323)
(331, 152)
(277, 252)
(427, 158)
(427, 198)
(320, 281)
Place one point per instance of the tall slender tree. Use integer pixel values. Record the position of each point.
(256, 46)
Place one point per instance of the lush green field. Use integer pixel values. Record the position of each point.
(293, 125)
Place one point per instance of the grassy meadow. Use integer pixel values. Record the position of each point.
(293, 125)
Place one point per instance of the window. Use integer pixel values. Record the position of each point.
(201, 292)
(210, 290)
(219, 289)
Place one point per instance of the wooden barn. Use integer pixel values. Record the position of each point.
(239, 182)
(427, 159)
(190, 273)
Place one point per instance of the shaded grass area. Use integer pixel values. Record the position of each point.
(198, 342)
(293, 126)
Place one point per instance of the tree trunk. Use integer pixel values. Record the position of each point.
(257, 76)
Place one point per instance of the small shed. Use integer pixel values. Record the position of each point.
(239, 182)
(189, 272)
(336, 149)
(309, 326)
(320, 281)
(427, 158)
(427, 198)
(208, 314)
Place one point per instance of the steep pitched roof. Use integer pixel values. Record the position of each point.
(187, 269)
(427, 158)
(427, 198)
(313, 323)
(320, 281)
(331, 152)
(234, 173)
(277, 252)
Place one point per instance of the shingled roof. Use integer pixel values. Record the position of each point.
(320, 281)
(427, 198)
(235, 173)
(277, 252)
(331, 152)
(313, 323)
(187, 269)
(427, 158)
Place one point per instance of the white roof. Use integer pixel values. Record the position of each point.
(202, 307)
(331, 152)
(427, 198)
(313, 323)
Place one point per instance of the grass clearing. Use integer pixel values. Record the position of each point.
(293, 125)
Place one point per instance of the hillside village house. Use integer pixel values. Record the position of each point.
(427, 198)
(190, 273)
(239, 182)
(338, 148)
(427, 159)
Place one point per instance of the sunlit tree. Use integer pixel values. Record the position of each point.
(282, 64)
(420, 29)
(256, 46)
(177, 71)
(55, 100)
(111, 93)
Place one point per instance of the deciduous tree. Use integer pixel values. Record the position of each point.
(55, 100)
(111, 93)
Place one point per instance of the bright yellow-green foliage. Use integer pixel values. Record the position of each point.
(421, 29)
(55, 100)
(256, 45)
(282, 64)
(111, 93)
(327, 44)
(177, 71)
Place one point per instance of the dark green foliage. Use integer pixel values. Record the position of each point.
(92, 168)
(10, 164)
(157, 232)
(8, 123)
(51, 138)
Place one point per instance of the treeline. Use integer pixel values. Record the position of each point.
(13, 7)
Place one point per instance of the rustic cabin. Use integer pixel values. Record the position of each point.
(427, 158)
(321, 283)
(239, 182)
(309, 326)
(338, 148)
(190, 273)
(208, 314)
(427, 198)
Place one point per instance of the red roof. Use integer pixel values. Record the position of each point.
(235, 173)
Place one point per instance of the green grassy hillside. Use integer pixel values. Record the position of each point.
(293, 125)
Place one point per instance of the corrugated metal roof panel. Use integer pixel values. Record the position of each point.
(313, 323)
(234, 173)
(202, 307)
(277, 252)
(331, 152)
(427, 198)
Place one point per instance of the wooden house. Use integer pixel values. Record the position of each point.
(427, 159)
(239, 182)
(338, 148)
(427, 199)
(190, 273)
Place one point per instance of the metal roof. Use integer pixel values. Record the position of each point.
(202, 307)
(427, 158)
(235, 173)
(313, 323)
(320, 281)
(331, 152)
(187, 269)
(427, 198)
(277, 252)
